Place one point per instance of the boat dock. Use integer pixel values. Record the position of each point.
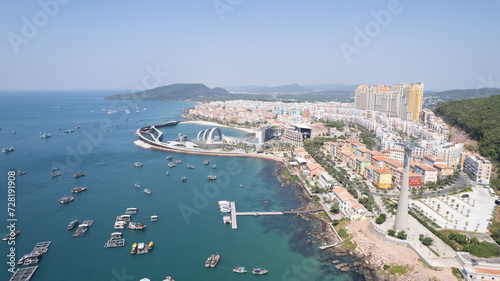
(234, 223)
(112, 243)
(23, 274)
(234, 214)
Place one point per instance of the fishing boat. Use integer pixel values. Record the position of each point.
(137, 185)
(178, 162)
(53, 175)
(190, 166)
(227, 219)
(11, 235)
(120, 225)
(147, 191)
(168, 278)
(166, 173)
(66, 199)
(78, 127)
(259, 271)
(212, 177)
(241, 185)
(137, 164)
(55, 168)
(154, 218)
(240, 269)
(215, 260)
(169, 157)
(19, 173)
(208, 261)
(131, 211)
(8, 149)
(184, 179)
(224, 202)
(79, 175)
(214, 166)
(69, 131)
(72, 224)
(150, 245)
(134, 249)
(171, 164)
(45, 136)
(225, 209)
(136, 226)
(142, 249)
(78, 189)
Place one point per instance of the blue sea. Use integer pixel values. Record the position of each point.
(189, 226)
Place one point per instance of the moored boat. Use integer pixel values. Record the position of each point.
(131, 211)
(147, 191)
(184, 179)
(77, 175)
(240, 269)
(178, 162)
(259, 271)
(206, 162)
(215, 260)
(212, 177)
(169, 157)
(72, 224)
(150, 245)
(166, 173)
(78, 189)
(19, 173)
(137, 185)
(154, 218)
(8, 149)
(53, 175)
(168, 278)
(10, 235)
(137, 164)
(120, 225)
(226, 219)
(55, 169)
(171, 164)
(136, 226)
(142, 249)
(134, 249)
(66, 199)
(45, 136)
(214, 166)
(190, 166)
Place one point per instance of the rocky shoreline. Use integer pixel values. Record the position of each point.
(365, 264)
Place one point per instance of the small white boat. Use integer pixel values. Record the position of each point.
(120, 225)
(154, 218)
(226, 219)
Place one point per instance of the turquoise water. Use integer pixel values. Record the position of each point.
(189, 227)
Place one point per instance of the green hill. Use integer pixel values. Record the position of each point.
(198, 92)
(432, 99)
(480, 118)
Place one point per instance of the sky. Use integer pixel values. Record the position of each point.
(132, 45)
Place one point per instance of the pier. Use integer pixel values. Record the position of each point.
(234, 223)
(234, 214)
(23, 274)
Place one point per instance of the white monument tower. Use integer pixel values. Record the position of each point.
(402, 211)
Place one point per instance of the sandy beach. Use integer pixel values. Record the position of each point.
(213, 124)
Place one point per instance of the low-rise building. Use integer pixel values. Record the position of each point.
(444, 170)
(361, 163)
(397, 153)
(414, 179)
(474, 268)
(433, 160)
(325, 180)
(429, 174)
(382, 178)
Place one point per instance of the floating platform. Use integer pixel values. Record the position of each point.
(112, 243)
(234, 223)
(83, 228)
(23, 274)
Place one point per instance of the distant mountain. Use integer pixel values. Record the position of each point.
(432, 99)
(176, 92)
(332, 87)
(292, 88)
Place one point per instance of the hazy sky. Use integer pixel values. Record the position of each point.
(133, 44)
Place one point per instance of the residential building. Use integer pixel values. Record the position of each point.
(429, 174)
(414, 179)
(444, 170)
(449, 152)
(478, 168)
(397, 153)
(433, 160)
(382, 178)
(361, 163)
(325, 180)
(314, 169)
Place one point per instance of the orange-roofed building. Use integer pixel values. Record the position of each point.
(382, 178)
(444, 170)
